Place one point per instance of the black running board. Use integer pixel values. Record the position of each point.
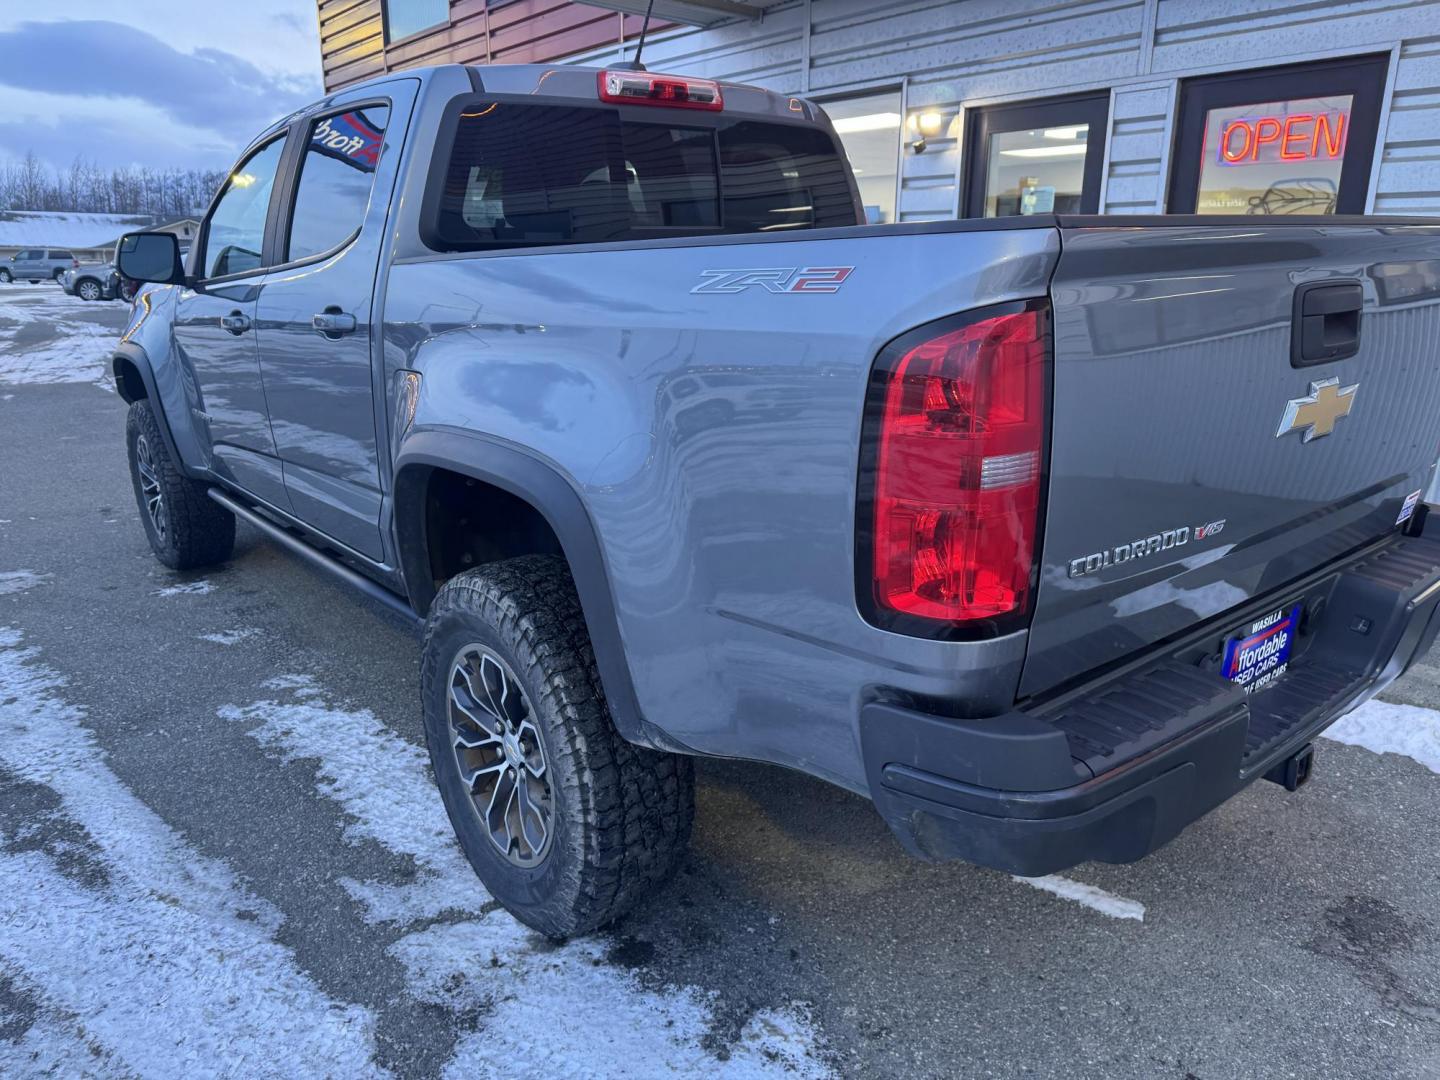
(315, 557)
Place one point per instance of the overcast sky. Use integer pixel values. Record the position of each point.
(151, 82)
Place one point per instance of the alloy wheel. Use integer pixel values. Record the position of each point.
(150, 488)
(499, 754)
(89, 291)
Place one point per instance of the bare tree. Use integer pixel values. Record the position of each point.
(86, 187)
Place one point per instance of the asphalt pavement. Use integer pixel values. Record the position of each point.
(220, 854)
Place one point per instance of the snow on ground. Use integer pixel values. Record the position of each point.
(1097, 899)
(187, 588)
(230, 637)
(137, 946)
(1387, 728)
(48, 337)
(14, 581)
(477, 957)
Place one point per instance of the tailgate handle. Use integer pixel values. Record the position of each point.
(1327, 322)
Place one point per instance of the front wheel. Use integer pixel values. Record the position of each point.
(88, 290)
(6, 277)
(186, 528)
(565, 822)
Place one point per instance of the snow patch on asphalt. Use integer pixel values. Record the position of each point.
(14, 581)
(188, 588)
(611, 1026)
(1384, 727)
(1117, 907)
(72, 346)
(382, 783)
(302, 686)
(230, 637)
(57, 1045)
(167, 959)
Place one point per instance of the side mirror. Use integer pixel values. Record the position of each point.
(150, 256)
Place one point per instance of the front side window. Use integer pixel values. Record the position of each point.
(236, 236)
(406, 17)
(336, 174)
(546, 174)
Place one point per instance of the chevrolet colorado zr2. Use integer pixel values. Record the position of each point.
(1047, 534)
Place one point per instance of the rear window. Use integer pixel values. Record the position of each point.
(521, 175)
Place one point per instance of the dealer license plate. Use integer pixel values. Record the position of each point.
(1260, 654)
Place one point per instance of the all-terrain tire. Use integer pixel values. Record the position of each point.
(621, 814)
(187, 529)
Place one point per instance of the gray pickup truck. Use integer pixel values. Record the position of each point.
(1046, 534)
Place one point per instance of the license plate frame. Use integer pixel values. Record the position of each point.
(1258, 655)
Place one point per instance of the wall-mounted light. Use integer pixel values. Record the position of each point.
(924, 126)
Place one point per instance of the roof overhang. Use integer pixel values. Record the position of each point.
(691, 12)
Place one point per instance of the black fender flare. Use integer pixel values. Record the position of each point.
(544, 487)
(129, 352)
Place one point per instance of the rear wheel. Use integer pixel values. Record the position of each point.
(57, 275)
(88, 290)
(565, 822)
(186, 528)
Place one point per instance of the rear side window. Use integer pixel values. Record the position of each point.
(336, 175)
(521, 175)
(61, 255)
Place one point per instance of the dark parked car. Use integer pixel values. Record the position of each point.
(93, 281)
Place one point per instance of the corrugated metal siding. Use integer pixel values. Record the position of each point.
(1409, 181)
(1139, 146)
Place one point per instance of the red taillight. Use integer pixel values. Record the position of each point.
(957, 465)
(677, 91)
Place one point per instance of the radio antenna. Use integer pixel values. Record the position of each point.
(636, 65)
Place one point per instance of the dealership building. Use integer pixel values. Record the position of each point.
(981, 108)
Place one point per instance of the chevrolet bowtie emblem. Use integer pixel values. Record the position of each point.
(1316, 415)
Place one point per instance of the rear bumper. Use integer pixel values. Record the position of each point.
(1116, 768)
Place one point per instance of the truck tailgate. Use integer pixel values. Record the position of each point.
(1195, 463)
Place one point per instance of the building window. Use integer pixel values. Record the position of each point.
(406, 17)
(869, 129)
(1294, 140)
(1035, 157)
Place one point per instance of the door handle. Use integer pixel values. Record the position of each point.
(332, 322)
(1326, 324)
(237, 322)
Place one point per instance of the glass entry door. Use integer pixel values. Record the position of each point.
(1035, 158)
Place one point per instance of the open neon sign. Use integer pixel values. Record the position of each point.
(1298, 137)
